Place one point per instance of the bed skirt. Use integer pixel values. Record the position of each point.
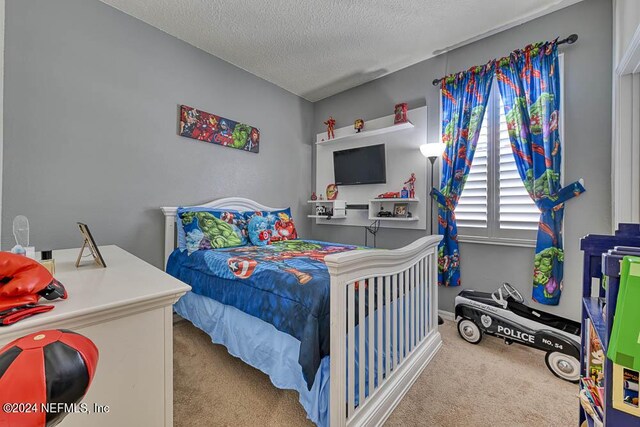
(261, 345)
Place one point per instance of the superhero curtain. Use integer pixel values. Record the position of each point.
(464, 100)
(530, 89)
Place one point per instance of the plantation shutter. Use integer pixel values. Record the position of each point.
(517, 210)
(472, 205)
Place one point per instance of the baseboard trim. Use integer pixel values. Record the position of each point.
(447, 315)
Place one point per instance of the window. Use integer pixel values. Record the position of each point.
(494, 206)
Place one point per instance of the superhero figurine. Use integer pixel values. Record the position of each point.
(23, 282)
(331, 124)
(411, 185)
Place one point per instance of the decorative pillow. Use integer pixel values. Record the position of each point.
(206, 228)
(281, 224)
(259, 231)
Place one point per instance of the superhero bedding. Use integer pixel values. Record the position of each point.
(285, 284)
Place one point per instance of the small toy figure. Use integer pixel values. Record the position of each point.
(313, 196)
(411, 185)
(400, 112)
(332, 192)
(358, 125)
(331, 124)
(321, 197)
(389, 195)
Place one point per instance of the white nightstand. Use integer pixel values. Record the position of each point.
(126, 309)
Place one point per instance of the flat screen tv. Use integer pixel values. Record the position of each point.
(364, 165)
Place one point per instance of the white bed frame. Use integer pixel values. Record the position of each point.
(407, 275)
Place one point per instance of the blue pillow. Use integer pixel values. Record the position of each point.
(259, 231)
(206, 228)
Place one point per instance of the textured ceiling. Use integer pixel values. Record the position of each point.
(316, 48)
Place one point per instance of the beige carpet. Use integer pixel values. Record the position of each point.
(490, 384)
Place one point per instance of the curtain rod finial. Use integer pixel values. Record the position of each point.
(572, 39)
(435, 82)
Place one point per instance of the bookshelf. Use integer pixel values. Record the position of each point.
(602, 256)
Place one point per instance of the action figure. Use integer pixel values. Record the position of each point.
(331, 123)
(411, 186)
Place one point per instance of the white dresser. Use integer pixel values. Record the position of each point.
(126, 309)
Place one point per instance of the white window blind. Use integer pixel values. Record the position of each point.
(517, 210)
(472, 209)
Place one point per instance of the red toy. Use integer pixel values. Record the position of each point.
(400, 113)
(44, 377)
(389, 195)
(411, 185)
(331, 124)
(22, 282)
(332, 192)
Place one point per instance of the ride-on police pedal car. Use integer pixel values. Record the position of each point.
(504, 314)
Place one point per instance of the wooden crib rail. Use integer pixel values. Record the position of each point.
(383, 328)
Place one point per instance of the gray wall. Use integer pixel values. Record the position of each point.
(587, 141)
(91, 98)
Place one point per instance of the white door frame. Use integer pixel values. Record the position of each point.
(2, 4)
(626, 135)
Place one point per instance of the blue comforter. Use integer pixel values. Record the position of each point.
(285, 284)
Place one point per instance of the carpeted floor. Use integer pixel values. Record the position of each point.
(490, 384)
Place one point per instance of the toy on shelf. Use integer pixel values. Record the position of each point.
(384, 214)
(331, 124)
(400, 113)
(313, 196)
(411, 185)
(332, 192)
(389, 195)
(503, 314)
(324, 210)
(321, 197)
(358, 125)
(404, 194)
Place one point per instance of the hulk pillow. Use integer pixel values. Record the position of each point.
(259, 231)
(212, 229)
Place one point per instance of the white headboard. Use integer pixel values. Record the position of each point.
(231, 203)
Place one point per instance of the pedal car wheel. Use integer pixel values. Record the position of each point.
(563, 366)
(469, 331)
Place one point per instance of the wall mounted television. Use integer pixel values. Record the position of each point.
(363, 165)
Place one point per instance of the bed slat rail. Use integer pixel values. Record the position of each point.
(383, 328)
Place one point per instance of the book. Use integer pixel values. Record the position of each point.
(595, 356)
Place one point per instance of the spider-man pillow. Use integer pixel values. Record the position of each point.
(206, 228)
(280, 223)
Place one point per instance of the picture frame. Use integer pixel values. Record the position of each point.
(93, 247)
(400, 210)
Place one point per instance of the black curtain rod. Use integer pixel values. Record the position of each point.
(569, 40)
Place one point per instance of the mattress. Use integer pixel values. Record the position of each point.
(285, 284)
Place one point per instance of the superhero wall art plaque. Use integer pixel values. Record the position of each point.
(208, 127)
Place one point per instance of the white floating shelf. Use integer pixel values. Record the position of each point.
(367, 133)
(397, 199)
(324, 201)
(327, 217)
(414, 218)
